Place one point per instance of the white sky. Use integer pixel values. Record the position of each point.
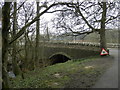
(47, 16)
(59, 0)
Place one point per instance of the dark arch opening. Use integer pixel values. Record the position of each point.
(59, 58)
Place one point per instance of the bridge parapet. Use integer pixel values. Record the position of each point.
(89, 44)
(72, 43)
(71, 46)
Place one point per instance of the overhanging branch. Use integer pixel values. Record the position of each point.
(22, 30)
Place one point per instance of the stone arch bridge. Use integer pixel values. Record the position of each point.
(55, 52)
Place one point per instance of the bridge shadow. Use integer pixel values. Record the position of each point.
(58, 58)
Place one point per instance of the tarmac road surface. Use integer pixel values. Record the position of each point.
(110, 77)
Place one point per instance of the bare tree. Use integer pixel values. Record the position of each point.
(87, 17)
(47, 34)
(22, 30)
(16, 68)
(37, 37)
(5, 44)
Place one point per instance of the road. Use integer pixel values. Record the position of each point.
(110, 77)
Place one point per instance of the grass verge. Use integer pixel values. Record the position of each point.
(81, 73)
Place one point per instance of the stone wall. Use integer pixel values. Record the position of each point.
(72, 51)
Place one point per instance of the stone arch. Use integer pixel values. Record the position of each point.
(59, 58)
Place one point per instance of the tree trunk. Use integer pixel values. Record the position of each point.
(26, 47)
(102, 30)
(37, 38)
(48, 37)
(5, 32)
(16, 68)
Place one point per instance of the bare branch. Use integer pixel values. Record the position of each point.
(60, 11)
(78, 10)
(19, 7)
(112, 18)
(34, 20)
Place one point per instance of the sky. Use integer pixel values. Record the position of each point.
(58, 0)
(47, 16)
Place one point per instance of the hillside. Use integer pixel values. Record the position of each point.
(112, 36)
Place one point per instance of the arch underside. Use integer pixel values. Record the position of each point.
(59, 58)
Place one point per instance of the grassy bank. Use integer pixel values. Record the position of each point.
(73, 73)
